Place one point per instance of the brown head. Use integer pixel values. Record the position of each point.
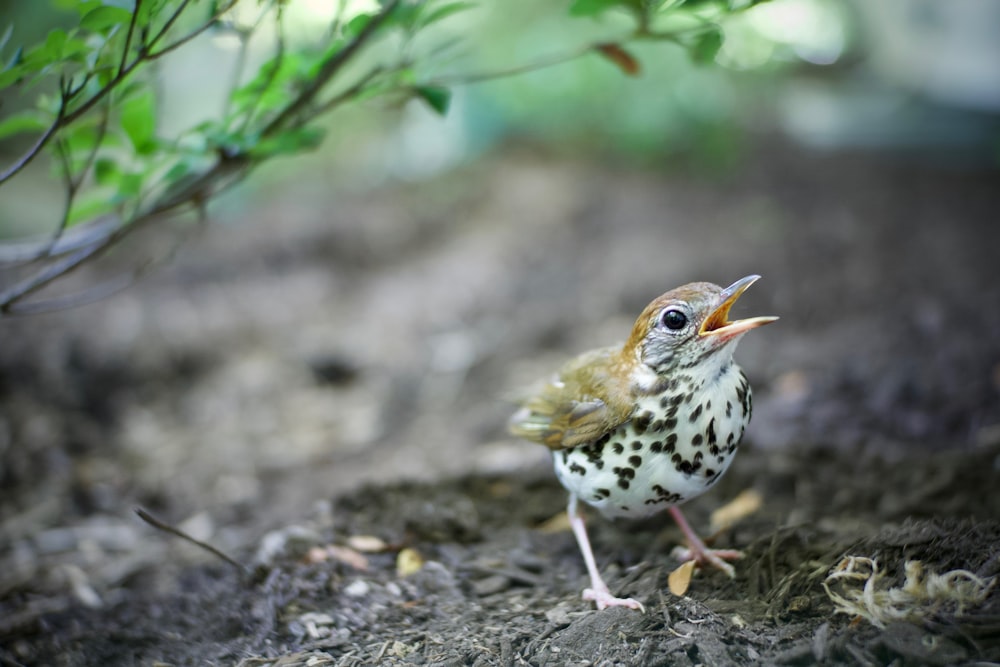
(690, 325)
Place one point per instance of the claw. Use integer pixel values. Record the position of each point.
(604, 599)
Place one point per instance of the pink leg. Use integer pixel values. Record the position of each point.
(698, 552)
(598, 591)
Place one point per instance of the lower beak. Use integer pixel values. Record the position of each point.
(718, 324)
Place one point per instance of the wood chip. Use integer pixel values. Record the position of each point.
(680, 579)
(369, 544)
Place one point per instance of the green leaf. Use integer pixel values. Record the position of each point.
(88, 206)
(138, 119)
(437, 98)
(296, 140)
(25, 121)
(106, 171)
(356, 25)
(595, 7)
(105, 18)
(444, 11)
(707, 46)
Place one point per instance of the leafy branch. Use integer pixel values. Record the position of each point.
(119, 176)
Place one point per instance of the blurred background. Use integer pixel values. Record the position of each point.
(365, 312)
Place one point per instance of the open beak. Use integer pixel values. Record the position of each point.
(718, 324)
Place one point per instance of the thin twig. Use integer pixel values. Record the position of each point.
(459, 79)
(148, 46)
(173, 530)
(329, 69)
(345, 94)
(181, 41)
(128, 36)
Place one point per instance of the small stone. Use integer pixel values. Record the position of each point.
(357, 588)
(496, 583)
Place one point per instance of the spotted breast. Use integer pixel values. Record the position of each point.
(674, 447)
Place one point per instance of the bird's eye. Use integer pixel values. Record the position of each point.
(674, 319)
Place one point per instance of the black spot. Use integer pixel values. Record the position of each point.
(641, 422)
(624, 508)
(656, 447)
(670, 443)
(599, 464)
(710, 435)
(623, 483)
(729, 409)
(670, 423)
(603, 440)
(664, 402)
(623, 473)
(604, 493)
(709, 472)
(696, 440)
(636, 461)
(729, 438)
(708, 405)
(656, 426)
(688, 397)
(694, 415)
(617, 447)
(686, 467)
(565, 455)
(578, 469)
(636, 445)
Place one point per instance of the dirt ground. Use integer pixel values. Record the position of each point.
(317, 387)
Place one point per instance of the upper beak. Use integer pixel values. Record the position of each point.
(718, 324)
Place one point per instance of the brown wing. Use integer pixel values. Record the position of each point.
(588, 398)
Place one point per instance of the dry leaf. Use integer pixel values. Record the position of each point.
(557, 524)
(737, 509)
(680, 579)
(408, 561)
(345, 555)
(625, 61)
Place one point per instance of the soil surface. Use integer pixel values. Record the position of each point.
(320, 393)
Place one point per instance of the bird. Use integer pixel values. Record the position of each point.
(642, 427)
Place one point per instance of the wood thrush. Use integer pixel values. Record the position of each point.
(646, 426)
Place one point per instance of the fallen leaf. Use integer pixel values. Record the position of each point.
(344, 555)
(557, 524)
(680, 579)
(737, 509)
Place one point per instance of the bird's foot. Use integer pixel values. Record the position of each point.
(709, 557)
(603, 598)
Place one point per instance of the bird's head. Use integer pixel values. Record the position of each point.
(689, 327)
